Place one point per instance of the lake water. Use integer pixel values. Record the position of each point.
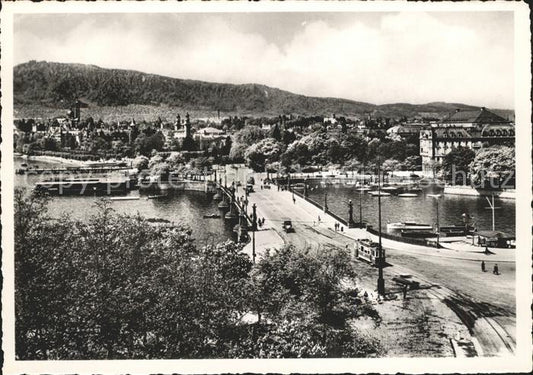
(189, 208)
(421, 209)
(185, 207)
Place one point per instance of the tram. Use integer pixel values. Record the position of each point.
(368, 251)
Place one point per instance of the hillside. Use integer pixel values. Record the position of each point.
(45, 88)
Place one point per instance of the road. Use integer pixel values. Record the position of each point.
(485, 303)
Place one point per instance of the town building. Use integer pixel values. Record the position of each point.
(471, 129)
(407, 130)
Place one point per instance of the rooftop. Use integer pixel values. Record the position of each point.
(482, 115)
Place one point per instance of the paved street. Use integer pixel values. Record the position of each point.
(485, 302)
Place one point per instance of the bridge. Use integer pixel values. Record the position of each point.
(477, 307)
(236, 209)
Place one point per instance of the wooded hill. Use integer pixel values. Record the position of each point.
(57, 85)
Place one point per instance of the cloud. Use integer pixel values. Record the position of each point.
(405, 57)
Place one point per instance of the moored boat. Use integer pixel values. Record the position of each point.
(156, 196)
(212, 216)
(379, 193)
(407, 195)
(409, 227)
(124, 198)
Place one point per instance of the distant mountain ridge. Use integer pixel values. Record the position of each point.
(57, 85)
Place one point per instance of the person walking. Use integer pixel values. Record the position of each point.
(483, 266)
(293, 200)
(496, 270)
(404, 291)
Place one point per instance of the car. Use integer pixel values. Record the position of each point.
(287, 225)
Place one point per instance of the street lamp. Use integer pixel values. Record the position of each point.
(351, 223)
(437, 196)
(381, 263)
(254, 228)
(491, 204)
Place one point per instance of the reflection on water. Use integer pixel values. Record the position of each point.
(421, 209)
(189, 208)
(185, 207)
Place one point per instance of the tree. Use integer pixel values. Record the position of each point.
(496, 163)
(265, 151)
(237, 151)
(456, 165)
(390, 165)
(249, 135)
(117, 287)
(144, 144)
(276, 133)
(306, 298)
(48, 143)
(141, 162)
(412, 163)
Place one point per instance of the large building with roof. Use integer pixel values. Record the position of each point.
(471, 129)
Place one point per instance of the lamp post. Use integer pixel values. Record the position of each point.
(491, 204)
(381, 280)
(361, 207)
(437, 196)
(351, 223)
(254, 228)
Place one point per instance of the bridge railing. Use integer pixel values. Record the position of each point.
(318, 205)
(410, 240)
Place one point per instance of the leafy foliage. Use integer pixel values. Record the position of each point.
(265, 151)
(117, 286)
(456, 164)
(498, 161)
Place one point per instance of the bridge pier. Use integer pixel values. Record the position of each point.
(230, 215)
(218, 195)
(242, 229)
(224, 203)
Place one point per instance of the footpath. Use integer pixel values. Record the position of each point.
(457, 248)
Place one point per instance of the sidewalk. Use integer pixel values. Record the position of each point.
(307, 212)
(264, 239)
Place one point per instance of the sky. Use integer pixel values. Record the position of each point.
(375, 57)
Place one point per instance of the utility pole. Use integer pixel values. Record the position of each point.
(361, 206)
(438, 226)
(254, 228)
(437, 196)
(491, 204)
(381, 280)
(351, 223)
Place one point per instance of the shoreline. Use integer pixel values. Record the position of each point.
(473, 192)
(61, 160)
(54, 160)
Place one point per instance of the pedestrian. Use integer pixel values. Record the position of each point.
(293, 200)
(496, 271)
(342, 229)
(483, 266)
(404, 291)
(319, 218)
